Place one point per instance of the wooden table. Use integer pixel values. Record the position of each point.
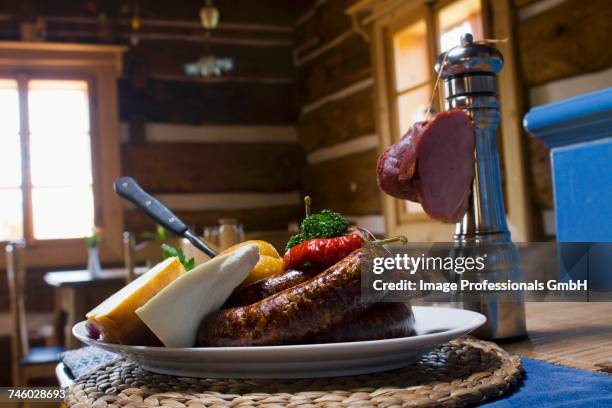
(571, 334)
(76, 293)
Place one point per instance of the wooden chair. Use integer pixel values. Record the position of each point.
(27, 362)
(147, 253)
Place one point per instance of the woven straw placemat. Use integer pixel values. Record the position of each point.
(462, 372)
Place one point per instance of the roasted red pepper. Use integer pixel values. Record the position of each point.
(321, 251)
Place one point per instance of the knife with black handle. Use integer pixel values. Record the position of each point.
(128, 188)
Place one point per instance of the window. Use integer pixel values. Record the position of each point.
(459, 17)
(56, 169)
(46, 180)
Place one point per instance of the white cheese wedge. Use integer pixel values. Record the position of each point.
(174, 314)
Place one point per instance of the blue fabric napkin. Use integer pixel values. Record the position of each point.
(87, 359)
(548, 385)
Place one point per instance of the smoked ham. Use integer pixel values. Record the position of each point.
(432, 164)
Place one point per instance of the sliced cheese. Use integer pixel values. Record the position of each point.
(116, 319)
(174, 314)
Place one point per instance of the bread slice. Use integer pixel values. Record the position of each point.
(115, 318)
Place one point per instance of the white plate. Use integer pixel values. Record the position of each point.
(434, 325)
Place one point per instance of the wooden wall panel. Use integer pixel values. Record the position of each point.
(327, 22)
(346, 184)
(259, 219)
(522, 3)
(338, 121)
(198, 103)
(567, 40)
(266, 11)
(39, 295)
(213, 167)
(334, 69)
(540, 172)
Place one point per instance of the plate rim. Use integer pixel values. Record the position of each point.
(478, 319)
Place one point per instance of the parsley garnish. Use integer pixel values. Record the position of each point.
(171, 251)
(326, 224)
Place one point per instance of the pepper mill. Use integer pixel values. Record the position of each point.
(469, 72)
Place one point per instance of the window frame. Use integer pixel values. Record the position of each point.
(99, 66)
(396, 24)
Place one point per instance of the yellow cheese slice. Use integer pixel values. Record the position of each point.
(116, 319)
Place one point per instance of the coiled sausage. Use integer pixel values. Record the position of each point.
(293, 315)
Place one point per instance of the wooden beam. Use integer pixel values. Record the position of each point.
(566, 41)
(339, 122)
(327, 24)
(333, 70)
(261, 12)
(211, 104)
(536, 8)
(165, 23)
(164, 133)
(569, 87)
(323, 48)
(352, 146)
(87, 35)
(213, 167)
(518, 201)
(338, 95)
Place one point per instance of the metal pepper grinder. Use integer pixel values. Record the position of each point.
(469, 73)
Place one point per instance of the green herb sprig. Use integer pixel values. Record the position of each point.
(170, 251)
(326, 224)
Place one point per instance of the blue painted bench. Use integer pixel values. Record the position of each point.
(579, 133)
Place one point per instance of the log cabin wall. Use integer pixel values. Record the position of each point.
(209, 147)
(563, 53)
(336, 124)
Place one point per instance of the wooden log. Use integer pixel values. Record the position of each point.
(539, 166)
(261, 11)
(121, 29)
(334, 69)
(523, 3)
(565, 41)
(213, 167)
(210, 103)
(347, 184)
(327, 22)
(338, 121)
(259, 219)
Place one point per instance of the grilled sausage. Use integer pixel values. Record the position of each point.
(380, 321)
(263, 288)
(293, 315)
